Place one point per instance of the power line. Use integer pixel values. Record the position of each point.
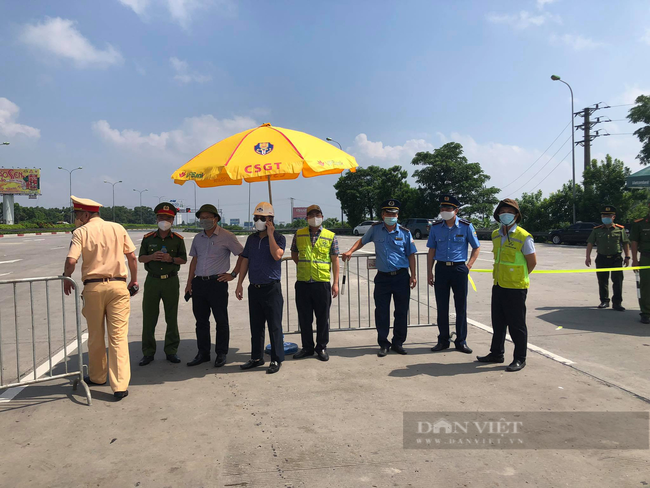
(545, 164)
(622, 105)
(556, 166)
(540, 157)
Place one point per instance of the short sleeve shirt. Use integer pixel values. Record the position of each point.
(262, 267)
(392, 248)
(608, 239)
(213, 253)
(173, 244)
(451, 243)
(102, 246)
(334, 249)
(529, 244)
(640, 233)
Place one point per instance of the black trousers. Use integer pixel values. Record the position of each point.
(396, 286)
(451, 278)
(211, 295)
(509, 312)
(265, 307)
(603, 261)
(314, 299)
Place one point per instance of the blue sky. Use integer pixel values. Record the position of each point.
(132, 89)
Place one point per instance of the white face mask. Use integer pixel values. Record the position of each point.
(260, 226)
(315, 221)
(447, 215)
(164, 225)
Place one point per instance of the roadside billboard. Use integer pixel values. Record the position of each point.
(234, 221)
(299, 213)
(20, 181)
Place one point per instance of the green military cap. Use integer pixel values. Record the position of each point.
(207, 207)
(608, 209)
(165, 208)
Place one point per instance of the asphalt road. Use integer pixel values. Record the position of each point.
(325, 424)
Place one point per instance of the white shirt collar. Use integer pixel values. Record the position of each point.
(512, 229)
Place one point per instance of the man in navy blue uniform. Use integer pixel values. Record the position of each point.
(395, 252)
(448, 240)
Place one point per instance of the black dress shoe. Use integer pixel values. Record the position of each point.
(88, 381)
(220, 361)
(198, 360)
(441, 346)
(173, 358)
(516, 365)
(603, 305)
(619, 307)
(252, 363)
(322, 355)
(463, 348)
(490, 358)
(644, 320)
(146, 360)
(398, 349)
(274, 367)
(383, 351)
(303, 353)
(120, 394)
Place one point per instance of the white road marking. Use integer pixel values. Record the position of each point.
(4, 274)
(59, 247)
(34, 240)
(532, 347)
(11, 393)
(9, 262)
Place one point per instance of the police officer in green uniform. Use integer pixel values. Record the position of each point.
(162, 253)
(640, 237)
(609, 238)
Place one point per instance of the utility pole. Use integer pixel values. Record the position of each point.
(113, 184)
(195, 209)
(586, 127)
(291, 198)
(140, 192)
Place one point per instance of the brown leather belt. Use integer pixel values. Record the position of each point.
(101, 280)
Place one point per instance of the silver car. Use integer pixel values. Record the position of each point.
(363, 227)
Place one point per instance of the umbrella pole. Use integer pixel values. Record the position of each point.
(270, 195)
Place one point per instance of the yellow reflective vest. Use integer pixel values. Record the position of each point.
(510, 267)
(314, 262)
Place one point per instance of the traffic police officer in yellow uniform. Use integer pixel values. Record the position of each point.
(609, 238)
(395, 252)
(640, 237)
(162, 253)
(103, 247)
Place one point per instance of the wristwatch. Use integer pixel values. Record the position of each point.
(233, 274)
(627, 257)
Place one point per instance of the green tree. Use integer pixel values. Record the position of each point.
(640, 114)
(446, 170)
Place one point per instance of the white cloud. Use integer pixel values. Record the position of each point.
(60, 37)
(576, 42)
(366, 149)
(646, 37)
(630, 94)
(522, 20)
(183, 74)
(181, 11)
(194, 135)
(8, 114)
(542, 3)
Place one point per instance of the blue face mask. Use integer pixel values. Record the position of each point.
(390, 220)
(607, 220)
(507, 218)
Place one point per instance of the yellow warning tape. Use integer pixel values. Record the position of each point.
(559, 271)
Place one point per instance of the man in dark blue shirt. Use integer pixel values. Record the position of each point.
(262, 257)
(448, 241)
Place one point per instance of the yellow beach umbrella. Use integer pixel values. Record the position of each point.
(264, 153)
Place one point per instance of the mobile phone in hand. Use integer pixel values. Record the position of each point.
(188, 295)
(134, 289)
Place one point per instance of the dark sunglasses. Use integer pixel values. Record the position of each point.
(263, 219)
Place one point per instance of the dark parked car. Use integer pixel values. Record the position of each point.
(419, 227)
(578, 232)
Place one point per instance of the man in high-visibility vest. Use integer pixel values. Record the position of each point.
(514, 260)
(315, 251)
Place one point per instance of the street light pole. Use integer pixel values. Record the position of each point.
(7, 205)
(329, 139)
(113, 184)
(71, 207)
(573, 144)
(140, 192)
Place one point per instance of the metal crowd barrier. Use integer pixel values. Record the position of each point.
(351, 311)
(36, 331)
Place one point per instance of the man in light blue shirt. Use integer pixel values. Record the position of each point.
(448, 242)
(395, 252)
